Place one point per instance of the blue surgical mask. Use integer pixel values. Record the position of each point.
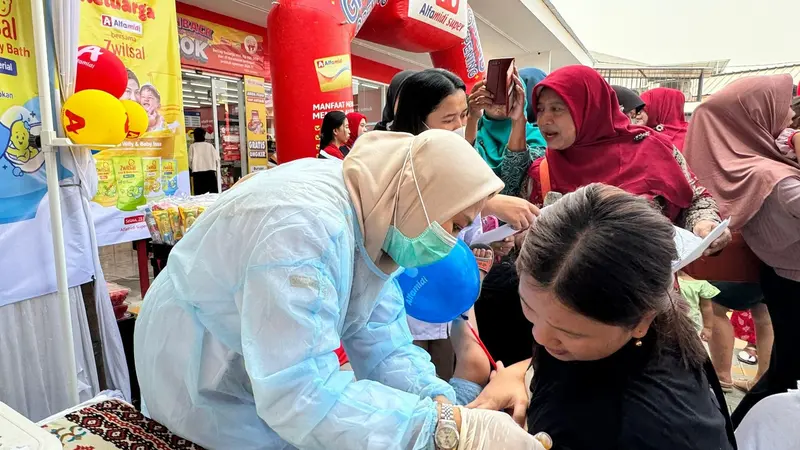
(432, 245)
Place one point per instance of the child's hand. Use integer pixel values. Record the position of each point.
(504, 247)
(706, 333)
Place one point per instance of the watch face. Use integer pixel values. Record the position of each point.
(446, 438)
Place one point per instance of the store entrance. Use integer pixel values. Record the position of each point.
(213, 102)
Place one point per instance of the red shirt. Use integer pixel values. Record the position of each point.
(333, 151)
(342, 355)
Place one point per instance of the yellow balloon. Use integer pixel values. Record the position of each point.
(94, 117)
(137, 119)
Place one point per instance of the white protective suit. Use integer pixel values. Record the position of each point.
(235, 340)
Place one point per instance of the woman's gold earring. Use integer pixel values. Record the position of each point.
(638, 343)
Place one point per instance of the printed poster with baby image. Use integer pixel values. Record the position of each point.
(144, 36)
(28, 268)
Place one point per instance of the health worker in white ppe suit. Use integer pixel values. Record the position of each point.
(235, 341)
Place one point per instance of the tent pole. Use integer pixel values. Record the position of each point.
(54, 194)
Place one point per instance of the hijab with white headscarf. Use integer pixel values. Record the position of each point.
(378, 163)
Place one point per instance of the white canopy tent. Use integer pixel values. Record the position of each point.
(47, 362)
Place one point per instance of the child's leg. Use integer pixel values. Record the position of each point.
(721, 344)
(707, 313)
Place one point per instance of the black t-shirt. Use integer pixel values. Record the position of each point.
(632, 400)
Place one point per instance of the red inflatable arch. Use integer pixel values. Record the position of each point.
(309, 51)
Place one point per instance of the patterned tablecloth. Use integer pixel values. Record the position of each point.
(114, 425)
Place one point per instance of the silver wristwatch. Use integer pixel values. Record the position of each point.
(446, 436)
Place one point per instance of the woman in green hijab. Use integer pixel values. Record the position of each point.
(491, 130)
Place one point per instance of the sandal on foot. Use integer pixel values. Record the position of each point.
(485, 263)
(744, 385)
(747, 357)
(726, 387)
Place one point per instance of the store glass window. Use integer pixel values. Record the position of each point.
(213, 102)
(368, 99)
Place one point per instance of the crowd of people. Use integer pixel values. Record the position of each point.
(600, 344)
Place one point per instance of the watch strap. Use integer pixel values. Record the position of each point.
(447, 412)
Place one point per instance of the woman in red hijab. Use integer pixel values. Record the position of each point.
(590, 140)
(664, 108)
(358, 126)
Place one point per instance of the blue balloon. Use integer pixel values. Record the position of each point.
(442, 291)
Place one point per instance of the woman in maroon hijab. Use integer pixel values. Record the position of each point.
(590, 140)
(664, 108)
(732, 146)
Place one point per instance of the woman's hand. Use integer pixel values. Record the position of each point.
(517, 112)
(514, 211)
(479, 99)
(704, 227)
(506, 391)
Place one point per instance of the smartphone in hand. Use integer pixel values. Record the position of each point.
(500, 81)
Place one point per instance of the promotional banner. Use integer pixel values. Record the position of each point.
(416, 25)
(465, 60)
(211, 46)
(256, 117)
(27, 267)
(144, 36)
(312, 73)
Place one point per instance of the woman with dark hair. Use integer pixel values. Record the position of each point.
(333, 135)
(504, 330)
(617, 363)
(664, 111)
(357, 123)
(204, 162)
(732, 147)
(437, 99)
(431, 99)
(391, 99)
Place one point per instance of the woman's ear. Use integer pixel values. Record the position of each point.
(641, 329)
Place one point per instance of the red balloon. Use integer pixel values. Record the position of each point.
(100, 69)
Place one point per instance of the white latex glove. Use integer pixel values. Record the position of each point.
(493, 430)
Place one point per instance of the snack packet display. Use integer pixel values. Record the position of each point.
(175, 222)
(152, 177)
(169, 219)
(189, 214)
(169, 176)
(130, 182)
(106, 184)
(161, 218)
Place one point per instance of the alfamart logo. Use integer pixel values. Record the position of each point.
(121, 24)
(323, 63)
(417, 286)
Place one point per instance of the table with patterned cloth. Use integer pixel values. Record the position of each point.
(113, 425)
